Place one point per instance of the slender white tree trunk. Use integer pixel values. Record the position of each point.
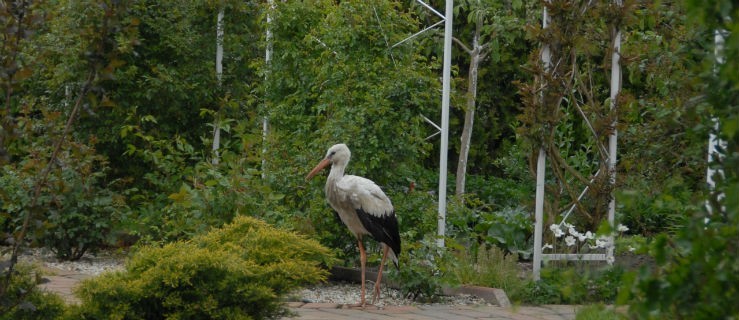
(469, 119)
(219, 76)
(469, 114)
(268, 63)
(714, 142)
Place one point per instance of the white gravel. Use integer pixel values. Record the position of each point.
(349, 293)
(330, 292)
(89, 264)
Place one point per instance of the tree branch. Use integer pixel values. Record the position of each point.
(43, 177)
(464, 47)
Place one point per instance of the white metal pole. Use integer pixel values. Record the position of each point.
(446, 88)
(546, 59)
(613, 138)
(539, 212)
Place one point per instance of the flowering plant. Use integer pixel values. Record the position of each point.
(576, 241)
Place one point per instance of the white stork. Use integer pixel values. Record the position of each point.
(362, 207)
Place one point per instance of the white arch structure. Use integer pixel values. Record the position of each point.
(615, 89)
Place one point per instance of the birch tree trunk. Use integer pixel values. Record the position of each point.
(219, 76)
(268, 63)
(476, 55)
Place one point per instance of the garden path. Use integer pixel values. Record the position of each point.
(62, 282)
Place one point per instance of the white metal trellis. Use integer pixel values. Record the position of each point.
(446, 18)
(541, 168)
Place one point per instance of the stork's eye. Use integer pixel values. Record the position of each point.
(332, 153)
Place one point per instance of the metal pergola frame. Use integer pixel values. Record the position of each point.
(615, 88)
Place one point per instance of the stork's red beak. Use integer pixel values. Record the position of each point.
(321, 165)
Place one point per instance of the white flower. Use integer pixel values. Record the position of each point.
(602, 242)
(547, 246)
(556, 230)
(622, 228)
(581, 237)
(570, 241)
(589, 235)
(632, 249)
(572, 231)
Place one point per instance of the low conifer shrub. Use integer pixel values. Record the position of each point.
(239, 271)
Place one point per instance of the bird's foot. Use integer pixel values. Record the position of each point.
(376, 294)
(361, 305)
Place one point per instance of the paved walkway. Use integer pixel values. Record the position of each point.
(62, 282)
(324, 311)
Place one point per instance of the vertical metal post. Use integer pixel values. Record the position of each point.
(613, 138)
(546, 59)
(446, 88)
(539, 209)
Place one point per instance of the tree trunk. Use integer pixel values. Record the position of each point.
(268, 62)
(219, 75)
(469, 114)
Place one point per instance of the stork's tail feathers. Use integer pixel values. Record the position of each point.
(393, 256)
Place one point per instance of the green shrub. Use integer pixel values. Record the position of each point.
(76, 212)
(490, 267)
(237, 272)
(574, 286)
(508, 228)
(24, 300)
(648, 209)
(424, 270)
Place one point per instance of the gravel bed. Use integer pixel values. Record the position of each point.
(89, 264)
(329, 292)
(349, 293)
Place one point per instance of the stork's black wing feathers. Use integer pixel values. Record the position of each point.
(383, 229)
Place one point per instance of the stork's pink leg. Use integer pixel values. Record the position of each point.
(362, 261)
(376, 295)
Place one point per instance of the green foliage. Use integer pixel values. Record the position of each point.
(506, 47)
(509, 228)
(696, 270)
(489, 267)
(651, 210)
(598, 312)
(80, 211)
(237, 272)
(425, 270)
(574, 286)
(24, 300)
(338, 81)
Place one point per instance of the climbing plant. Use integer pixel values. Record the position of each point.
(566, 110)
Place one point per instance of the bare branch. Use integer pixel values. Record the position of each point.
(464, 47)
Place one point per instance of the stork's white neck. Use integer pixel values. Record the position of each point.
(337, 171)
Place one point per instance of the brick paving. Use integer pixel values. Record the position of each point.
(62, 282)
